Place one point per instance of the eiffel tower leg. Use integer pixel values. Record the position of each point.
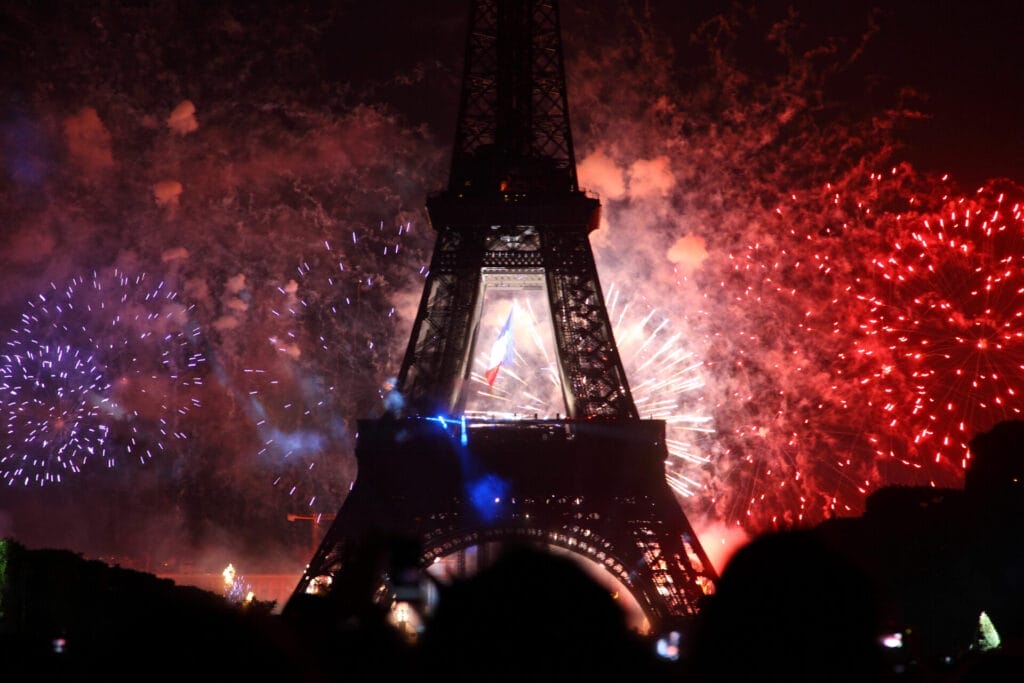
(437, 361)
(594, 381)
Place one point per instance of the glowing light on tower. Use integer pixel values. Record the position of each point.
(665, 377)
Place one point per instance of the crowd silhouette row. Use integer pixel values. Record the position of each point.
(937, 572)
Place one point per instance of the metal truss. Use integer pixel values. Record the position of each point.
(513, 129)
(563, 483)
(437, 362)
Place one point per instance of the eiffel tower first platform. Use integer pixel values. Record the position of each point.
(593, 482)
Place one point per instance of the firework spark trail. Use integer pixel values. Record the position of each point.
(791, 402)
(50, 407)
(666, 380)
(103, 367)
(778, 451)
(332, 325)
(741, 209)
(692, 166)
(942, 340)
(864, 352)
(276, 158)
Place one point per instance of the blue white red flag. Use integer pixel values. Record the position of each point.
(501, 352)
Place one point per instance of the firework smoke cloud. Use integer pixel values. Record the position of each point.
(769, 221)
(224, 170)
(782, 280)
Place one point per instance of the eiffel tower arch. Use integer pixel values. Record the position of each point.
(591, 482)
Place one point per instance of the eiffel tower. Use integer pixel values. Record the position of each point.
(593, 482)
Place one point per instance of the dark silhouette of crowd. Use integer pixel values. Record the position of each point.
(789, 608)
(922, 569)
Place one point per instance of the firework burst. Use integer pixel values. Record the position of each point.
(943, 337)
(666, 378)
(98, 370)
(861, 342)
(56, 404)
(788, 449)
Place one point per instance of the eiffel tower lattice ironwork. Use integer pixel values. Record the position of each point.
(513, 216)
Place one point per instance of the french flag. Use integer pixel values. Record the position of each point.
(501, 352)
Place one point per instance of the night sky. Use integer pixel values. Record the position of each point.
(203, 168)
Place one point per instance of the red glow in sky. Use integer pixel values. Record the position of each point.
(744, 164)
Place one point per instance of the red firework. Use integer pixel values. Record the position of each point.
(788, 450)
(944, 330)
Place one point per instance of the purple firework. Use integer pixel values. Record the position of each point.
(102, 368)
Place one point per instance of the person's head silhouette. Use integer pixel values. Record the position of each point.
(788, 608)
(531, 616)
